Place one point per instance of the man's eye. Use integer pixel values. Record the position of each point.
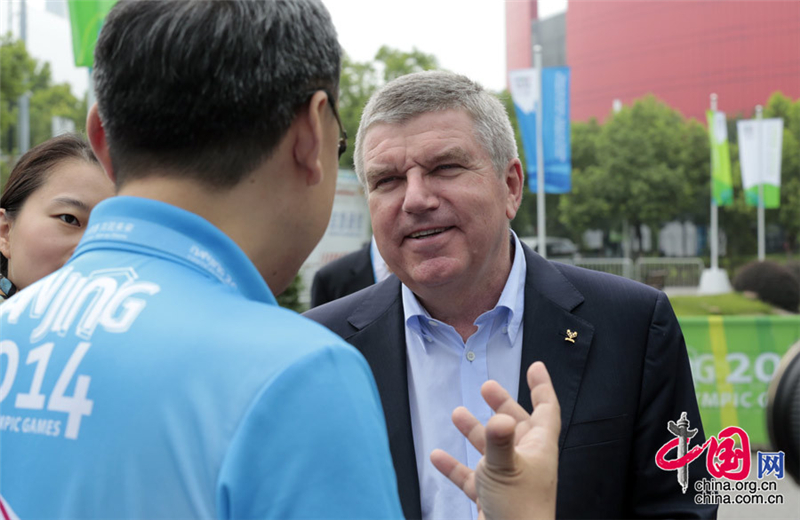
(70, 219)
(384, 180)
(447, 166)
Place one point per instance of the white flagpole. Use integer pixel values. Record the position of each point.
(714, 280)
(540, 214)
(714, 239)
(760, 162)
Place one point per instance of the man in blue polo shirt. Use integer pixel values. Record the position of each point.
(154, 376)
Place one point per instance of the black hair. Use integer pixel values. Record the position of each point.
(33, 169)
(207, 89)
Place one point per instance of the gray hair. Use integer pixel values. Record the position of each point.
(415, 94)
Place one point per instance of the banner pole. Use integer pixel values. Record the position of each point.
(714, 239)
(540, 213)
(714, 280)
(761, 233)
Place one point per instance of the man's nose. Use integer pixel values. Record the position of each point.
(419, 196)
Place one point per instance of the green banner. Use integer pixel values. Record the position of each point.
(86, 18)
(733, 360)
(772, 196)
(721, 183)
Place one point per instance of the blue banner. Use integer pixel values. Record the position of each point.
(555, 125)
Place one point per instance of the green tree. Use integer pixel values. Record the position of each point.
(357, 83)
(22, 74)
(739, 220)
(646, 155)
(396, 63)
(359, 80)
(290, 298)
(579, 209)
(788, 215)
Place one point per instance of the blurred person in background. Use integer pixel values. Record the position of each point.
(45, 207)
(349, 274)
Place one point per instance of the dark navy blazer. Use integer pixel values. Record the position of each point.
(343, 276)
(625, 377)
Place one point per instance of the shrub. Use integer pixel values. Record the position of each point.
(773, 283)
(794, 267)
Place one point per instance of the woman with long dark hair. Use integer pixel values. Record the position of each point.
(44, 209)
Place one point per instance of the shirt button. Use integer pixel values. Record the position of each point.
(470, 356)
(432, 323)
(505, 330)
(428, 338)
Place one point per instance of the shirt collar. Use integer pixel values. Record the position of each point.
(156, 228)
(512, 298)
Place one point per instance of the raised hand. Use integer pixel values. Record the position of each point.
(518, 474)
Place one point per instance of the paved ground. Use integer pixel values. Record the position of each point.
(787, 488)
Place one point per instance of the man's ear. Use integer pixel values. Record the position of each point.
(515, 181)
(97, 138)
(308, 138)
(5, 232)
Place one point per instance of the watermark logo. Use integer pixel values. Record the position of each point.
(770, 463)
(729, 465)
(723, 458)
(684, 436)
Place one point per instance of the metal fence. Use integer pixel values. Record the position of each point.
(617, 266)
(675, 272)
(659, 272)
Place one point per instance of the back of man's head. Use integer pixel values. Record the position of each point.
(206, 89)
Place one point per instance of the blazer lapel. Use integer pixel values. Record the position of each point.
(380, 337)
(549, 301)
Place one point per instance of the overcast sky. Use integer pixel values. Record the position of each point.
(467, 36)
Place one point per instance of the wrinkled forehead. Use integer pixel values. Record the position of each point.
(424, 138)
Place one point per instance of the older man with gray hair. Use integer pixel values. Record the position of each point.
(437, 157)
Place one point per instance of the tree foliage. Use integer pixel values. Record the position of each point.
(643, 165)
(649, 165)
(788, 215)
(359, 80)
(739, 221)
(290, 298)
(23, 74)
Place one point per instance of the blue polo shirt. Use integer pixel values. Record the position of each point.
(154, 376)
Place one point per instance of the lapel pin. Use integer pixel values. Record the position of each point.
(571, 336)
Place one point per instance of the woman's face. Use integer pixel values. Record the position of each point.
(52, 220)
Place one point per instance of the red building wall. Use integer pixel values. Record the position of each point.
(519, 15)
(682, 51)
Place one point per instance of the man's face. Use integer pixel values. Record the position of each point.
(439, 210)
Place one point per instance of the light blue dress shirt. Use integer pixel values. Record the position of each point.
(445, 373)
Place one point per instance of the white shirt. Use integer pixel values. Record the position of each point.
(379, 268)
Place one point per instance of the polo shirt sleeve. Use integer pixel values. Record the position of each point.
(312, 445)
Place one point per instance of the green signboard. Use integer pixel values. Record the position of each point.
(733, 359)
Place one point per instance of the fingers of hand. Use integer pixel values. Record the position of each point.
(459, 474)
(470, 427)
(543, 395)
(501, 402)
(500, 453)
(546, 417)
